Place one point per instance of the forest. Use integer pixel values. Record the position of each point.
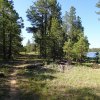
(55, 65)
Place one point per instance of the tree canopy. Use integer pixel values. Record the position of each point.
(10, 29)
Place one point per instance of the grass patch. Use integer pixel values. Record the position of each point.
(4, 84)
(48, 83)
(78, 83)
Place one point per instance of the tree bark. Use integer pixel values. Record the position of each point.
(4, 39)
(10, 46)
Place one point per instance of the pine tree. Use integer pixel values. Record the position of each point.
(98, 6)
(10, 26)
(68, 50)
(29, 46)
(37, 15)
(80, 48)
(41, 15)
(75, 33)
(56, 37)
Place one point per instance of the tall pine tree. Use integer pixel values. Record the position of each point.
(75, 36)
(41, 15)
(10, 26)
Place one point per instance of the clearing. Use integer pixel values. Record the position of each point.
(47, 82)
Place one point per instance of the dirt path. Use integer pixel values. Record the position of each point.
(13, 94)
(13, 77)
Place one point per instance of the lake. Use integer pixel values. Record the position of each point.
(92, 54)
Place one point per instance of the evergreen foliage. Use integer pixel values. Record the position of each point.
(76, 44)
(98, 6)
(45, 18)
(55, 35)
(10, 29)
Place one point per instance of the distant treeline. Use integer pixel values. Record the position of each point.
(94, 50)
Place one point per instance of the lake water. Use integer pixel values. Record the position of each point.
(92, 54)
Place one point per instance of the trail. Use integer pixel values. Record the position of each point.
(13, 77)
(13, 82)
(13, 94)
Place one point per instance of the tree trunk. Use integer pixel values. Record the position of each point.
(4, 45)
(10, 46)
(4, 40)
(45, 51)
(54, 51)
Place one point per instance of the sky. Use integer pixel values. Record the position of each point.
(86, 9)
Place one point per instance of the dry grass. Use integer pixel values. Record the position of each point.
(78, 83)
(4, 84)
(48, 83)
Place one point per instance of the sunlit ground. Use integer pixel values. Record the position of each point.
(78, 83)
(50, 83)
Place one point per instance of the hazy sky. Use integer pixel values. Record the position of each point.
(84, 8)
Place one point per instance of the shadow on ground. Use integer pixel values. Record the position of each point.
(21, 59)
(70, 94)
(80, 94)
(36, 87)
(33, 85)
(33, 81)
(37, 73)
(76, 94)
(4, 88)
